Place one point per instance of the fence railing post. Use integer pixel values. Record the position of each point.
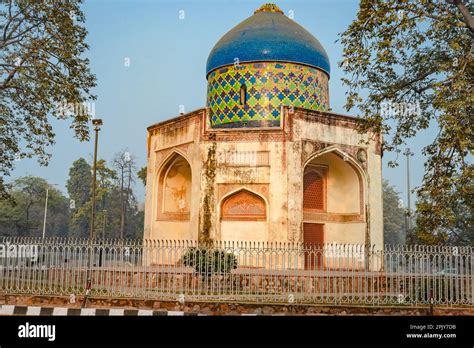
(265, 272)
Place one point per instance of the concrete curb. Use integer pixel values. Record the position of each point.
(64, 311)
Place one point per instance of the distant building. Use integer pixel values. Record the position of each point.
(265, 160)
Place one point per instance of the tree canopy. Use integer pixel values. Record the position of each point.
(25, 217)
(43, 75)
(79, 190)
(410, 65)
(142, 175)
(393, 216)
(117, 211)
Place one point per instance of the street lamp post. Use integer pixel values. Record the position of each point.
(97, 122)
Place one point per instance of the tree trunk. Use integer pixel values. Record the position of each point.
(28, 218)
(122, 212)
(127, 193)
(468, 19)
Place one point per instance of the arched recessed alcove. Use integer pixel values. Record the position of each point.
(243, 206)
(174, 188)
(331, 183)
(332, 201)
(243, 216)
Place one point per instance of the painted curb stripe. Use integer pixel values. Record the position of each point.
(20, 310)
(33, 311)
(73, 311)
(65, 311)
(102, 312)
(47, 311)
(130, 312)
(60, 311)
(87, 311)
(115, 311)
(7, 310)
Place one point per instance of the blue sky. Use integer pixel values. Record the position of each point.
(167, 56)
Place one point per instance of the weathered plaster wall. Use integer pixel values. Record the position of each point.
(344, 233)
(265, 176)
(332, 131)
(221, 165)
(244, 231)
(176, 136)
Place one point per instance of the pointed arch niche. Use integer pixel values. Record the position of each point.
(333, 189)
(174, 189)
(243, 216)
(333, 201)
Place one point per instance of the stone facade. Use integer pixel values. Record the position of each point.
(265, 160)
(266, 167)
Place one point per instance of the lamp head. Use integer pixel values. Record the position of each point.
(97, 122)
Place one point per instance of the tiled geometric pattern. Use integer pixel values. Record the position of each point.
(269, 86)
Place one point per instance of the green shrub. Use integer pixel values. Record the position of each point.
(207, 262)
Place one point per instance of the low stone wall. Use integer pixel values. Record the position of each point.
(246, 281)
(235, 308)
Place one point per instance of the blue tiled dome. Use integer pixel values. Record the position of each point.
(268, 35)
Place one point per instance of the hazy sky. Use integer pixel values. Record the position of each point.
(167, 57)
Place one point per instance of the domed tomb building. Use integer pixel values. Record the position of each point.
(266, 159)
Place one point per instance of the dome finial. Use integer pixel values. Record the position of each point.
(269, 8)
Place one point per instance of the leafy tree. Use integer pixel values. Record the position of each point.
(136, 223)
(393, 216)
(106, 201)
(79, 182)
(415, 61)
(31, 191)
(125, 165)
(42, 74)
(12, 222)
(57, 221)
(24, 216)
(142, 175)
(114, 192)
(459, 229)
(79, 190)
